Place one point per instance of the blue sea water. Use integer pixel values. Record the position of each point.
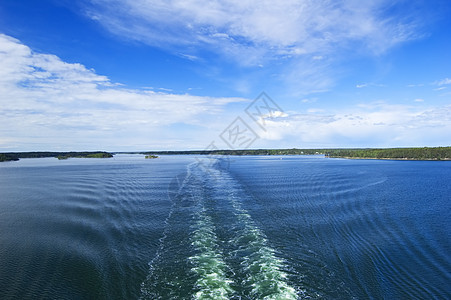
(211, 227)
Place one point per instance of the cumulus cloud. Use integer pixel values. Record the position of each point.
(44, 99)
(375, 125)
(45, 102)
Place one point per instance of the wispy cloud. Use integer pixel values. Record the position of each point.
(309, 100)
(364, 85)
(256, 30)
(44, 99)
(297, 41)
(189, 57)
(440, 88)
(445, 81)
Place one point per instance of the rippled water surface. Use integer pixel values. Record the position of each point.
(187, 227)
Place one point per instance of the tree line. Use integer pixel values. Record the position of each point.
(292, 151)
(12, 156)
(426, 153)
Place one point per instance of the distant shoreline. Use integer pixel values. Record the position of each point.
(15, 156)
(391, 158)
(425, 153)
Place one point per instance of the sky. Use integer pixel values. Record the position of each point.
(142, 75)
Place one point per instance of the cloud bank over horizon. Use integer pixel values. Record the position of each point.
(48, 104)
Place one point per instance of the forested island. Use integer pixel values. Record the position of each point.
(425, 153)
(85, 155)
(14, 156)
(293, 151)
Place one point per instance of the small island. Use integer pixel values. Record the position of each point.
(151, 156)
(85, 155)
(15, 156)
(8, 157)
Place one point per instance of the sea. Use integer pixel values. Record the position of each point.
(225, 227)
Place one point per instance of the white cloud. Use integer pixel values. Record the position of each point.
(419, 100)
(296, 43)
(274, 114)
(315, 110)
(440, 88)
(364, 85)
(415, 85)
(445, 81)
(380, 125)
(46, 101)
(189, 57)
(309, 100)
(304, 77)
(251, 31)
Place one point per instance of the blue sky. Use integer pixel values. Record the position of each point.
(169, 75)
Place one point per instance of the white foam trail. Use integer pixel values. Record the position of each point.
(209, 265)
(257, 271)
(208, 262)
(262, 269)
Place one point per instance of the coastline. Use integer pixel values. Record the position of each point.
(418, 153)
(392, 158)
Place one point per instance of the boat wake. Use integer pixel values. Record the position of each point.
(212, 248)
